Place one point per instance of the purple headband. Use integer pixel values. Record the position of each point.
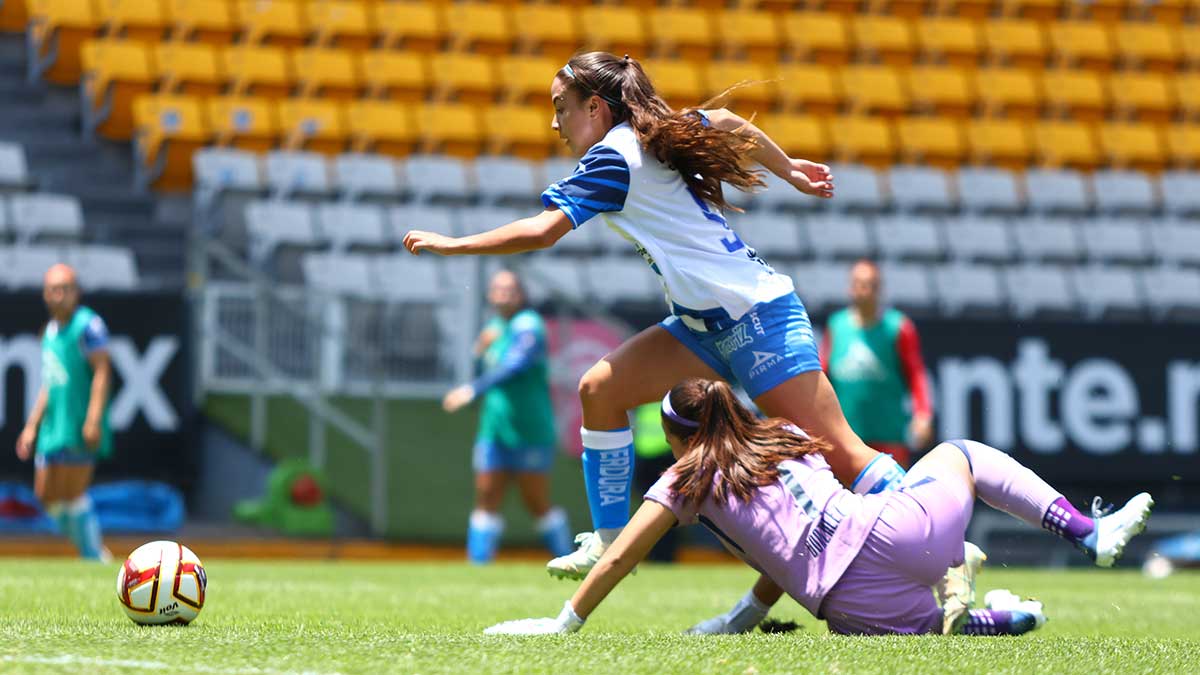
(674, 416)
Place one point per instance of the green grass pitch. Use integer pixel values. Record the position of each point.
(263, 618)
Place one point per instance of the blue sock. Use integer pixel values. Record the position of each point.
(85, 528)
(881, 474)
(483, 536)
(58, 513)
(556, 532)
(608, 476)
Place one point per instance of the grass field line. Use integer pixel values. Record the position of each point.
(71, 660)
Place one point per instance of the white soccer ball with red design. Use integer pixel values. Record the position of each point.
(162, 582)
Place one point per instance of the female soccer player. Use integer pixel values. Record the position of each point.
(654, 175)
(516, 438)
(863, 564)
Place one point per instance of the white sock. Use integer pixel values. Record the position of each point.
(609, 534)
(487, 521)
(552, 519)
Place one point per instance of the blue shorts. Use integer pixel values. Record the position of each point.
(66, 457)
(492, 455)
(769, 345)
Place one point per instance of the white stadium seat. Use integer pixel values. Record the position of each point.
(907, 238)
(275, 223)
(4, 224)
(857, 187)
(1033, 288)
(437, 177)
(975, 238)
(358, 175)
(404, 277)
(963, 286)
(476, 219)
(986, 189)
(439, 219)
(1114, 240)
(548, 278)
(218, 169)
(612, 279)
(1171, 288)
(1123, 191)
(838, 236)
(346, 225)
(822, 285)
(1047, 239)
(104, 267)
(769, 232)
(1103, 289)
(916, 188)
(556, 169)
(777, 194)
(338, 273)
(1176, 241)
(14, 173)
(1181, 192)
(290, 173)
(1057, 190)
(25, 266)
(906, 285)
(508, 179)
(41, 214)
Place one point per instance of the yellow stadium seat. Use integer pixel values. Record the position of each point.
(450, 128)
(479, 26)
(133, 19)
(1187, 93)
(341, 23)
(680, 83)
(552, 30)
(114, 73)
(1000, 142)
(1011, 91)
(210, 21)
(394, 75)
(14, 16)
(757, 93)
(246, 122)
(1102, 11)
(615, 29)
(57, 29)
(859, 138)
(1082, 43)
(1038, 10)
(907, 9)
(1189, 40)
(1183, 144)
(167, 130)
(312, 124)
(885, 38)
(809, 87)
(521, 130)
(327, 72)
(1133, 145)
(526, 79)
(945, 90)
(1147, 45)
(975, 10)
(1062, 143)
(1146, 96)
(931, 140)
(1017, 42)
(382, 127)
(1079, 93)
(798, 135)
(415, 26)
(874, 89)
(191, 68)
(471, 78)
(823, 37)
(1168, 11)
(275, 22)
(683, 31)
(258, 71)
(749, 34)
(955, 40)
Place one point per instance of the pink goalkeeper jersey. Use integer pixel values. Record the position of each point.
(802, 531)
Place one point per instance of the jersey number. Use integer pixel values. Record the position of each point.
(732, 243)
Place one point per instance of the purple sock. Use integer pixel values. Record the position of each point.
(998, 622)
(1066, 521)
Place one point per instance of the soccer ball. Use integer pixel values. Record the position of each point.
(161, 582)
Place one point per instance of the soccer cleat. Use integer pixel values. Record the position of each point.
(956, 591)
(1028, 614)
(577, 564)
(1114, 529)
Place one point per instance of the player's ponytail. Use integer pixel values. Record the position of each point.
(704, 156)
(727, 438)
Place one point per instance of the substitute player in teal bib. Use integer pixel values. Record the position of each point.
(516, 438)
(68, 426)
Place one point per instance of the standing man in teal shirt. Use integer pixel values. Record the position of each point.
(516, 439)
(68, 429)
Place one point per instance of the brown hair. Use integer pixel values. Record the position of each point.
(703, 155)
(730, 439)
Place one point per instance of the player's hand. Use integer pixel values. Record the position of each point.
(920, 431)
(566, 622)
(811, 178)
(417, 240)
(25, 443)
(743, 618)
(91, 434)
(458, 397)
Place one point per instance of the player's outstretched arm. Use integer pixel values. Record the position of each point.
(746, 614)
(526, 234)
(811, 178)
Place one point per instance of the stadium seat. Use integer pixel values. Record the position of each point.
(413, 26)
(844, 237)
(943, 90)
(680, 83)
(291, 173)
(1016, 42)
(273, 224)
(507, 180)
(361, 176)
(1105, 291)
(1039, 10)
(887, 39)
(771, 233)
(526, 79)
(401, 219)
(14, 170)
(1078, 94)
(467, 78)
(402, 277)
(1085, 44)
(972, 238)
(167, 131)
(1144, 96)
(1002, 142)
(521, 130)
(1149, 45)
(821, 285)
(798, 135)
(258, 71)
(1124, 191)
(211, 22)
(481, 27)
(759, 93)
(1189, 42)
(348, 226)
(103, 268)
(548, 278)
(1176, 241)
(57, 30)
(313, 124)
(1057, 190)
(25, 266)
(1035, 289)
(683, 31)
(1131, 144)
(339, 274)
(1181, 192)
(615, 29)
(45, 216)
(450, 128)
(221, 169)
(557, 168)
(1170, 289)
(189, 68)
(436, 177)
(345, 24)
(820, 37)
(552, 30)
(330, 73)
(396, 76)
(906, 286)
(622, 279)
(382, 127)
(750, 34)
(936, 141)
(1066, 144)
(1187, 93)
(908, 237)
(275, 22)
(968, 287)
(859, 187)
(475, 219)
(975, 10)
(920, 188)
(953, 40)
(14, 16)
(1183, 144)
(248, 123)
(114, 73)
(863, 139)
(1013, 92)
(808, 87)
(1047, 239)
(132, 20)
(987, 190)
(1114, 240)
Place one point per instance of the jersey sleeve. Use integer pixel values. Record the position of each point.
(908, 347)
(661, 493)
(523, 351)
(600, 184)
(95, 336)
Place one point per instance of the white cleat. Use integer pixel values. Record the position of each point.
(956, 591)
(577, 564)
(1004, 600)
(1113, 530)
